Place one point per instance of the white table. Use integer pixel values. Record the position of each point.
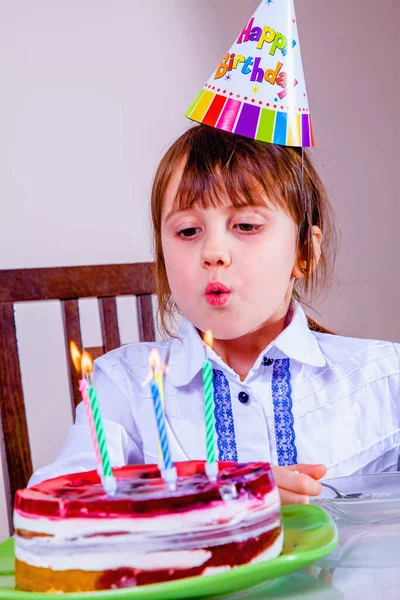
(366, 563)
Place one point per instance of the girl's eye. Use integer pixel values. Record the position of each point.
(188, 232)
(247, 227)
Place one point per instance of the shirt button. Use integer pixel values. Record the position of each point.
(267, 362)
(243, 397)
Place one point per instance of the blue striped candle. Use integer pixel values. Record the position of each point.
(169, 471)
(161, 425)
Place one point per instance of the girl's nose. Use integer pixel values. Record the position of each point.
(215, 256)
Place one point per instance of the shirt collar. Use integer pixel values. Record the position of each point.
(296, 342)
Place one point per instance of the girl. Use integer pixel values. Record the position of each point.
(240, 227)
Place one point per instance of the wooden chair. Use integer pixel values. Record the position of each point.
(66, 284)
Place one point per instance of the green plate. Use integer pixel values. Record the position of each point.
(309, 534)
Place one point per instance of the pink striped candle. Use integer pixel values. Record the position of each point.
(83, 362)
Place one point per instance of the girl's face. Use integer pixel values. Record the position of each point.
(229, 269)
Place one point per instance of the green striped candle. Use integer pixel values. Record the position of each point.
(108, 480)
(208, 384)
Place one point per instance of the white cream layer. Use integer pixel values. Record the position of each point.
(142, 551)
(229, 513)
(114, 558)
(183, 559)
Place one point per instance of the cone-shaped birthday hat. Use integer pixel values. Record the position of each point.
(258, 90)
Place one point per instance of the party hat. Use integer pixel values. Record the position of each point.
(258, 90)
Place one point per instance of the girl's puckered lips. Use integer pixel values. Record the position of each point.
(217, 293)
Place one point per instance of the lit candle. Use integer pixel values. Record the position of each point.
(109, 481)
(168, 471)
(211, 464)
(157, 374)
(84, 390)
(84, 363)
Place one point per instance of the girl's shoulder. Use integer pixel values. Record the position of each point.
(131, 360)
(359, 352)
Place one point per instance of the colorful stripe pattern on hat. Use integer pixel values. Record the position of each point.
(250, 120)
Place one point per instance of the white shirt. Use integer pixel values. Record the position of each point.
(311, 398)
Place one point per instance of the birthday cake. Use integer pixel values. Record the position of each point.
(70, 536)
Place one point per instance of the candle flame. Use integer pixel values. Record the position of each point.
(208, 338)
(154, 360)
(75, 355)
(86, 364)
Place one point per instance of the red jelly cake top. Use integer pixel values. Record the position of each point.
(141, 491)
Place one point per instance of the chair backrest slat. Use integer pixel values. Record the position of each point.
(15, 448)
(63, 283)
(109, 323)
(72, 332)
(145, 318)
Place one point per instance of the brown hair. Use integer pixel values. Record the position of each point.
(248, 171)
